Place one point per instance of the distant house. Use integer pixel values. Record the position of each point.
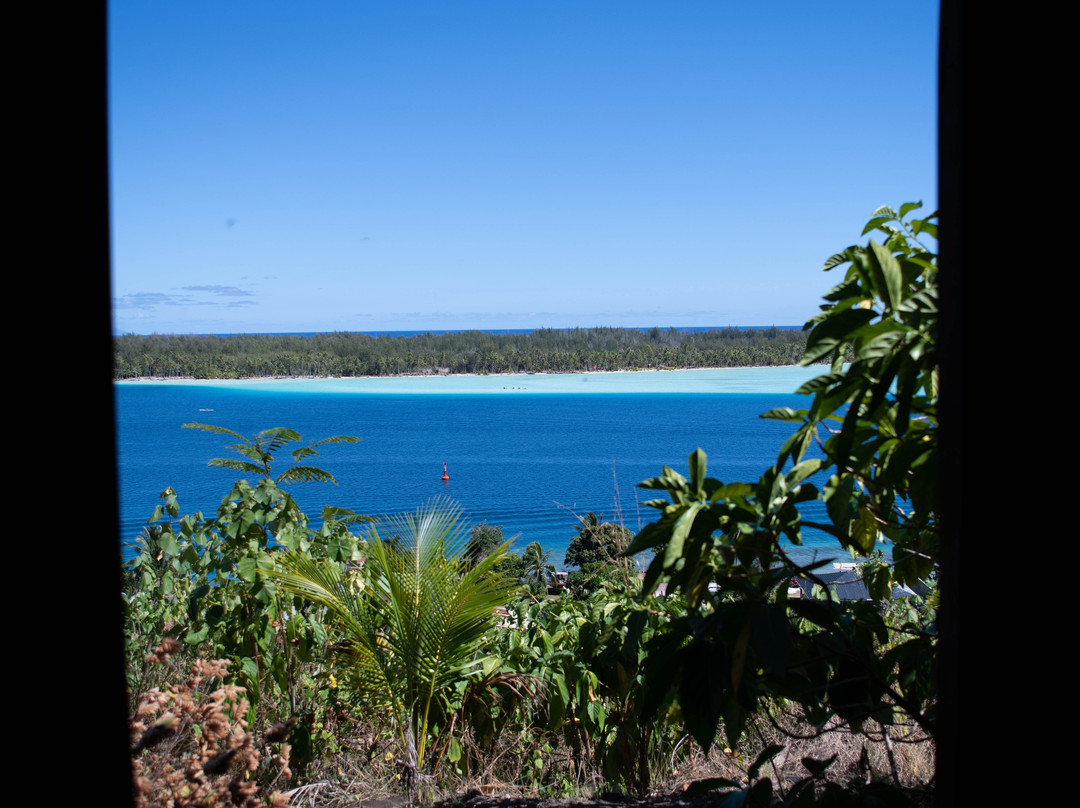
(845, 584)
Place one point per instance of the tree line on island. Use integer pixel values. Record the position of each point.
(543, 350)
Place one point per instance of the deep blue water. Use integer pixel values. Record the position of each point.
(529, 463)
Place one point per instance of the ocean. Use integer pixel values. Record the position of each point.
(530, 453)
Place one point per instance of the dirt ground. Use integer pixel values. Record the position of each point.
(475, 799)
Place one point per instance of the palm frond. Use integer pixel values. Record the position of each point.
(337, 439)
(345, 516)
(371, 671)
(271, 440)
(305, 474)
(236, 465)
(321, 582)
(219, 430)
(250, 451)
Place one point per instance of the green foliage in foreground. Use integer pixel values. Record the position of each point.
(413, 617)
(743, 640)
(201, 580)
(590, 656)
(329, 630)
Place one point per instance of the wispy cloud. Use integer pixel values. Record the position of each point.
(220, 291)
(145, 300)
(189, 296)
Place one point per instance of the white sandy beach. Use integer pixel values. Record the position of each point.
(714, 380)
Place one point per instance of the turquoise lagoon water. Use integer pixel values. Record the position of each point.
(530, 452)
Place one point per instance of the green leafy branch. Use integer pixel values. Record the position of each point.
(873, 415)
(884, 448)
(261, 448)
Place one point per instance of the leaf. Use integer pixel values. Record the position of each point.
(731, 491)
(839, 493)
(698, 466)
(796, 445)
(167, 542)
(837, 259)
(276, 438)
(885, 211)
(279, 672)
(801, 472)
(844, 295)
(249, 669)
(875, 223)
(783, 414)
(771, 638)
(305, 474)
(649, 536)
(892, 290)
(453, 753)
(819, 383)
(246, 450)
(738, 654)
(864, 530)
(247, 569)
(344, 515)
(220, 430)
(679, 533)
(700, 695)
(832, 333)
(338, 439)
(236, 465)
(925, 226)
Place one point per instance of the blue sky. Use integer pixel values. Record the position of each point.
(360, 166)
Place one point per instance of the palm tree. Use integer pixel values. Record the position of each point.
(537, 564)
(414, 622)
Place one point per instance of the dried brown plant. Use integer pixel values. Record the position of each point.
(190, 742)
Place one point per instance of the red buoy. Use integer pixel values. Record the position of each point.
(445, 476)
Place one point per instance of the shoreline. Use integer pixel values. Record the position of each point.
(770, 379)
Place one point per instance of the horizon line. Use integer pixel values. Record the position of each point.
(438, 331)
